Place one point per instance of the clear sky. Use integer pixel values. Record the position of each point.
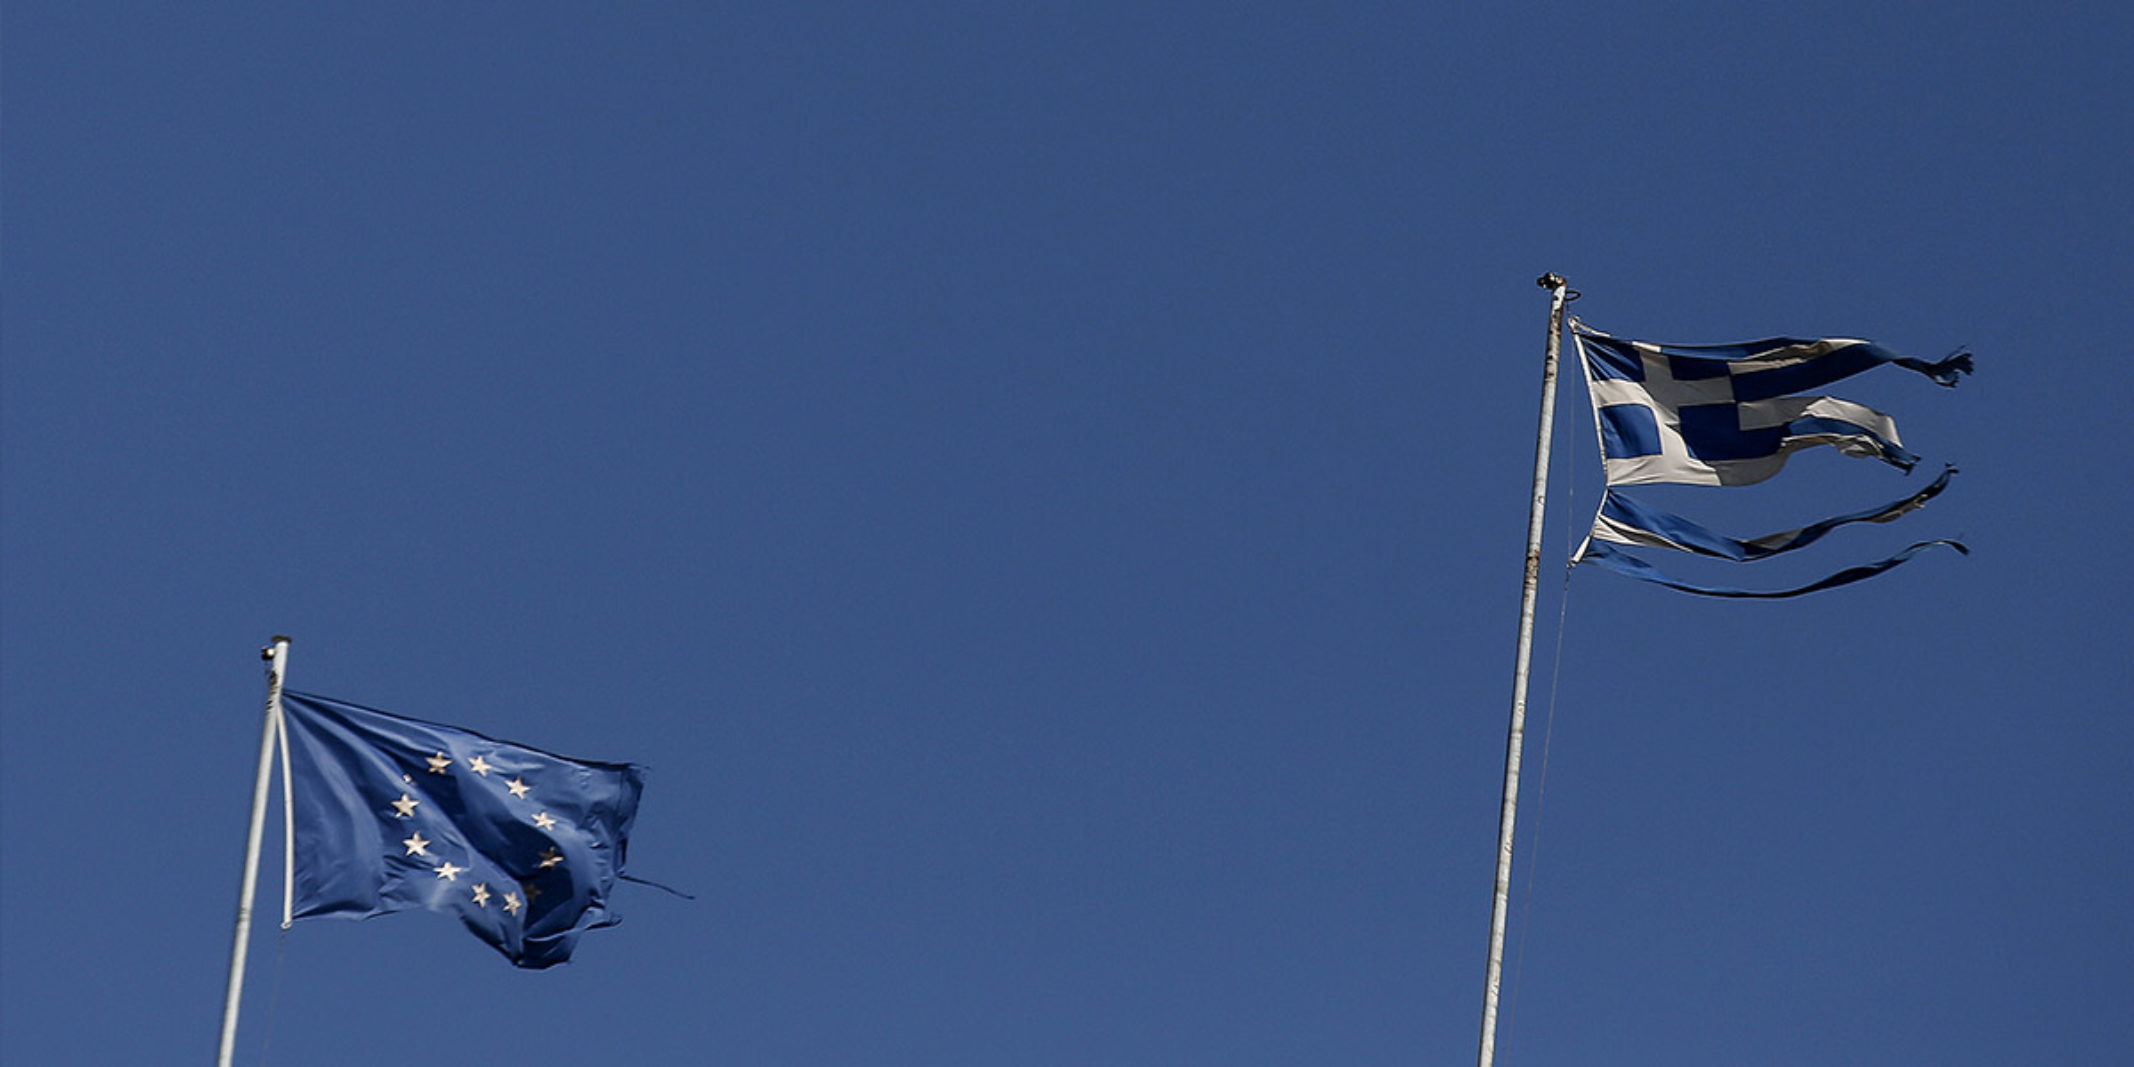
(1042, 488)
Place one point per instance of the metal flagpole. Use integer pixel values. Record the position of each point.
(1517, 734)
(277, 657)
(288, 813)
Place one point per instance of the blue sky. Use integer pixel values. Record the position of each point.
(1042, 488)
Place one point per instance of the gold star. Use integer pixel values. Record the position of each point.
(479, 766)
(544, 820)
(439, 762)
(448, 871)
(481, 894)
(405, 806)
(511, 903)
(518, 788)
(416, 845)
(551, 858)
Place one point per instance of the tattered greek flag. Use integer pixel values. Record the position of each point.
(1731, 415)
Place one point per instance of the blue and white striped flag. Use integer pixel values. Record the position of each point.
(1731, 415)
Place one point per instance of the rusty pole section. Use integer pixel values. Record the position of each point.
(1517, 735)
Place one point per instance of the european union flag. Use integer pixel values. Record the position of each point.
(392, 813)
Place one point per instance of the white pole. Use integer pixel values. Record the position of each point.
(277, 657)
(1517, 735)
(288, 815)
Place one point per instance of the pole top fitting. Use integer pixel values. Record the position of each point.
(277, 641)
(1550, 281)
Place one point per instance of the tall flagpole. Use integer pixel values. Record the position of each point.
(277, 657)
(1517, 735)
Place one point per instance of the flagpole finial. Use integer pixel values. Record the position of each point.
(1550, 281)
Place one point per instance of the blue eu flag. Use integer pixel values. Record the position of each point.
(393, 813)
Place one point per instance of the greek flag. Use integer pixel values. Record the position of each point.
(1732, 415)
